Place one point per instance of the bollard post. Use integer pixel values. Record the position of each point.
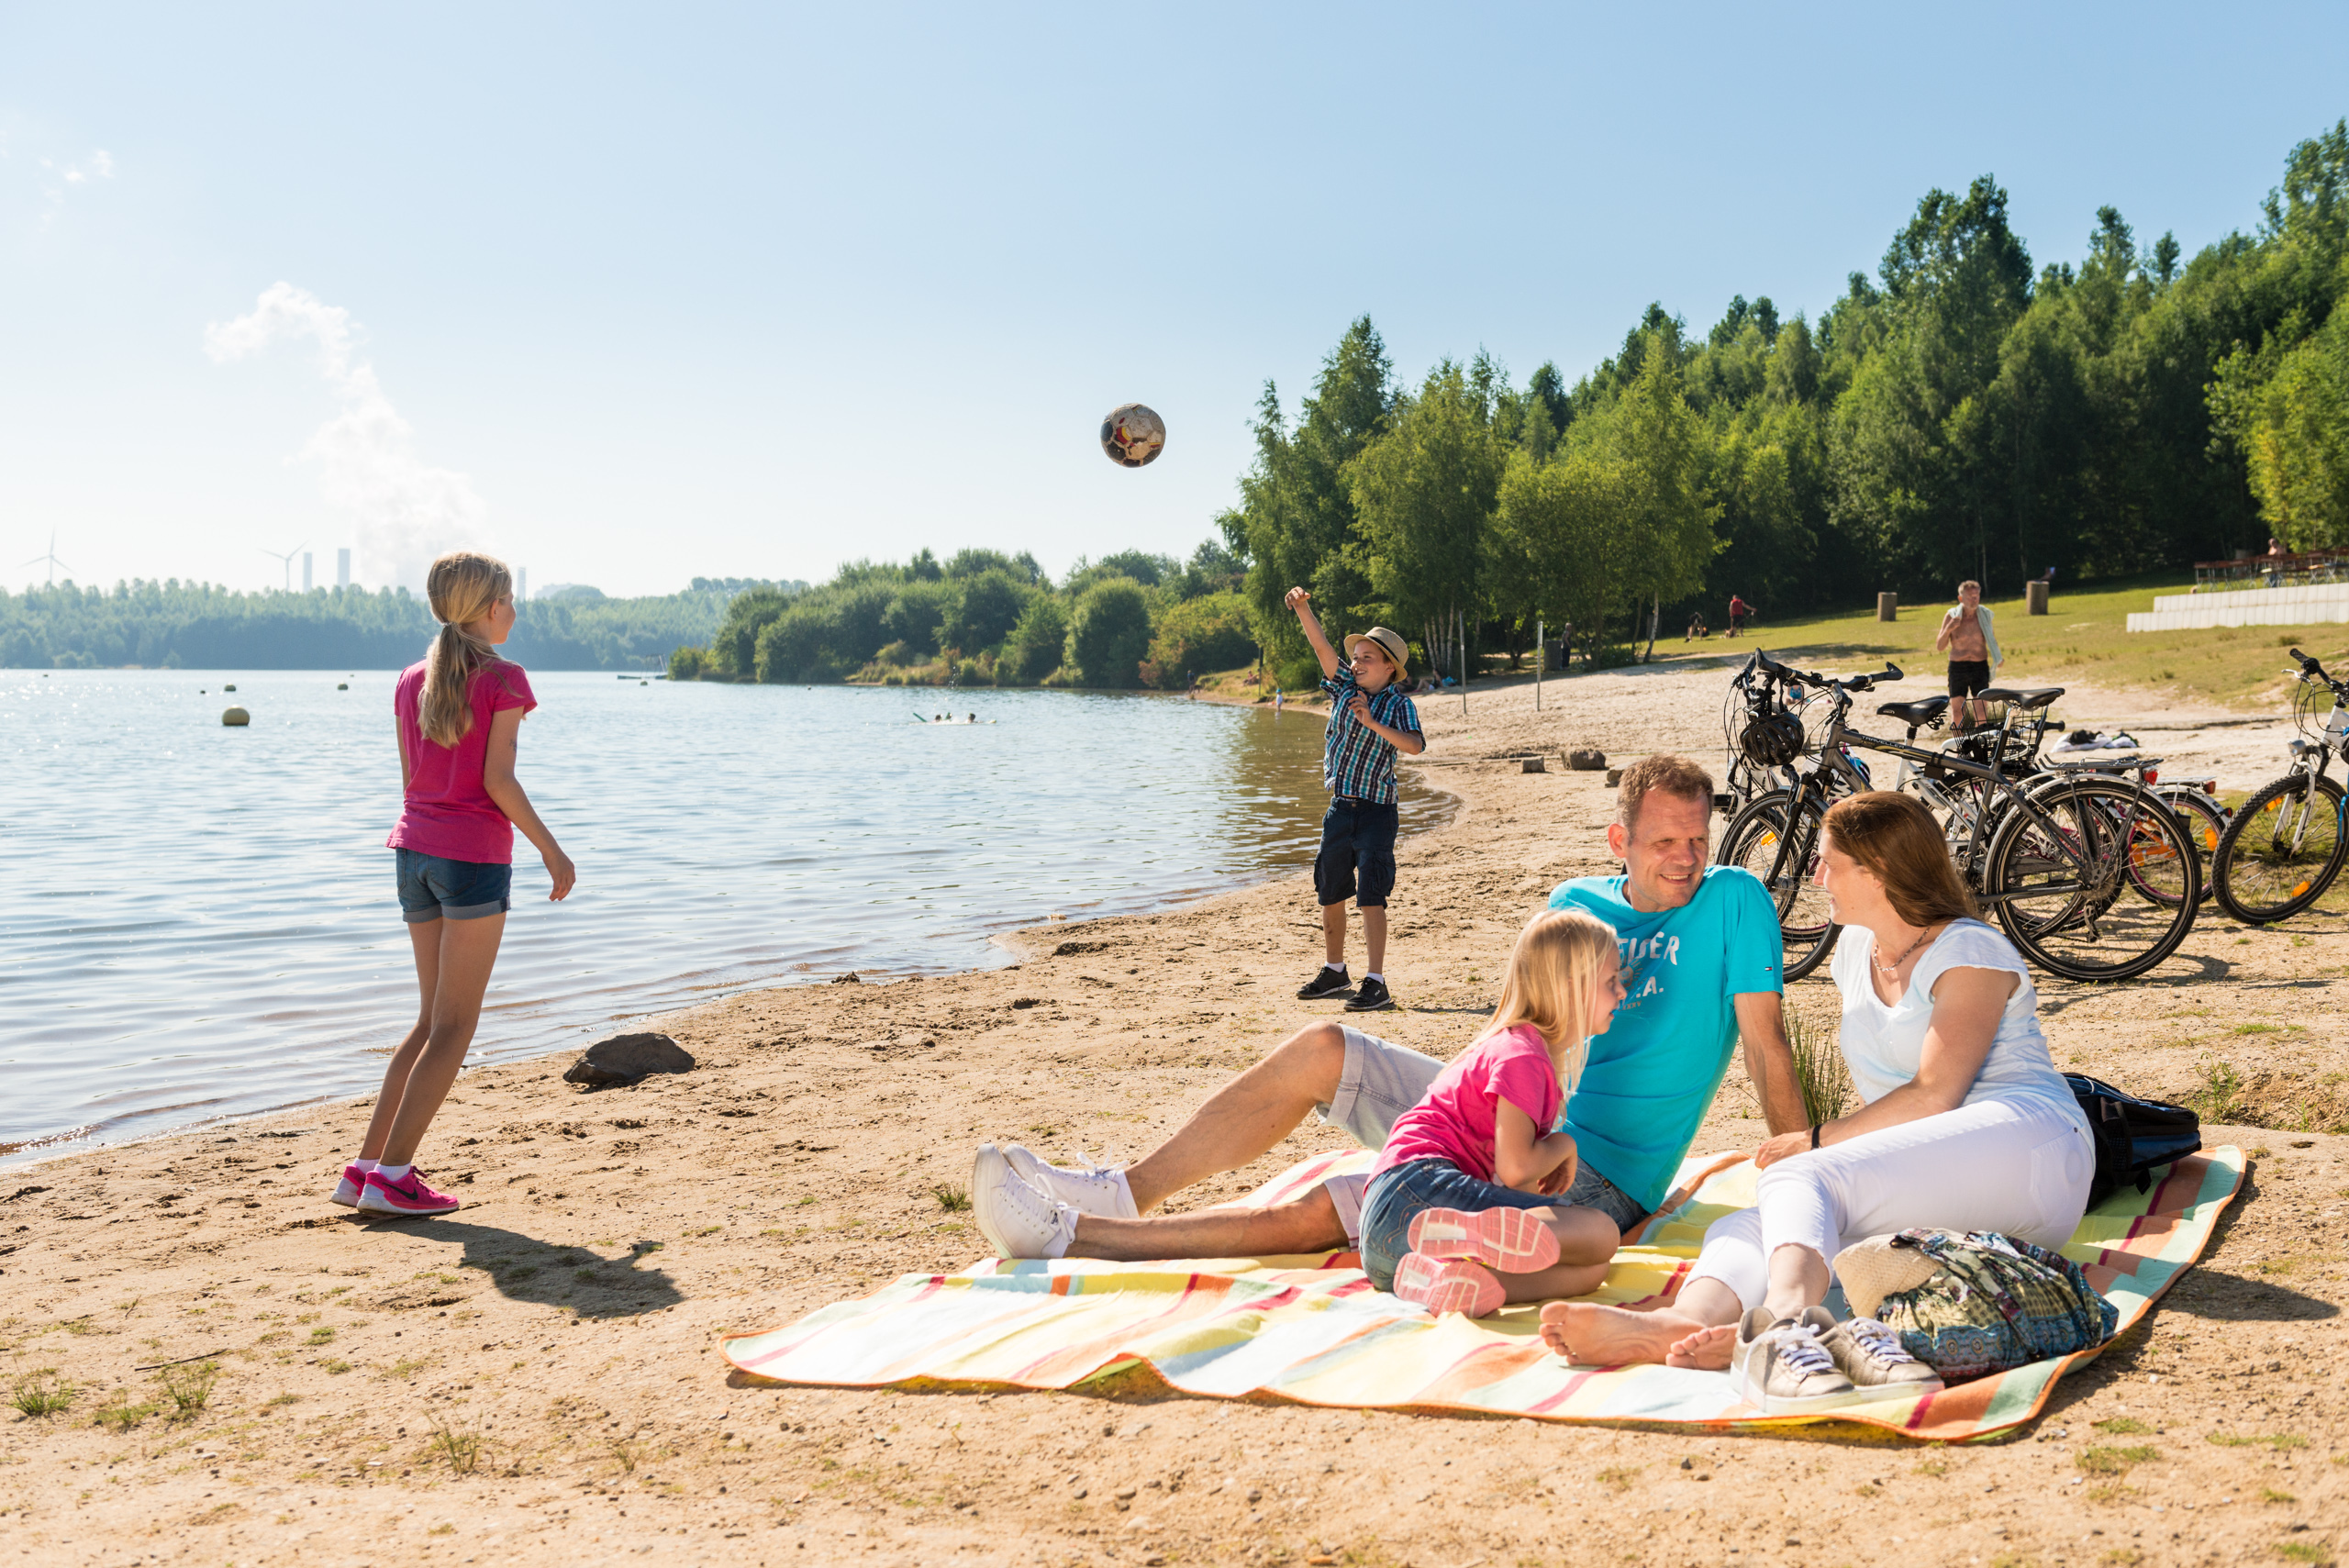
(1888, 607)
(2034, 593)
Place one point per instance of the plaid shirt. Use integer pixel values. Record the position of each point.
(1356, 761)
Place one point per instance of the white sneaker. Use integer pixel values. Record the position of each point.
(1096, 1189)
(1782, 1368)
(1018, 1219)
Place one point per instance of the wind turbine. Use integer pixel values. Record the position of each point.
(51, 558)
(288, 558)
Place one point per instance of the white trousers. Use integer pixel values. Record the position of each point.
(2019, 1166)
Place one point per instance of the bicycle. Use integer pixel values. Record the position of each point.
(2287, 843)
(2051, 854)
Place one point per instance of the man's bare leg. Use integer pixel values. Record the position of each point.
(1242, 1121)
(1698, 1329)
(1308, 1224)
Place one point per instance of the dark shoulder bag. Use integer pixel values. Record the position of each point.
(2134, 1137)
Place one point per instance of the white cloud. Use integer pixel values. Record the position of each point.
(55, 176)
(401, 512)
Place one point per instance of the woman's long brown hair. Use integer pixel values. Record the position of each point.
(1896, 838)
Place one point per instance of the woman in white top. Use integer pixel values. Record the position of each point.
(1965, 1124)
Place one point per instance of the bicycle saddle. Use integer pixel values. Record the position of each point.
(2038, 696)
(1915, 713)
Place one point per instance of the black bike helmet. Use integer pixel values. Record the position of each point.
(1772, 739)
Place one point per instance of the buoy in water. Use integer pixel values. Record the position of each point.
(236, 717)
(227, 688)
(342, 685)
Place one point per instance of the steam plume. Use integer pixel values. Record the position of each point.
(401, 512)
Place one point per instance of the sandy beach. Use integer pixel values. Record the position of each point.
(535, 1379)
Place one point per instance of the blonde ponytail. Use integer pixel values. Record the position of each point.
(1560, 955)
(463, 587)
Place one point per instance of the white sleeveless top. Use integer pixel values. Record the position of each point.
(1884, 1044)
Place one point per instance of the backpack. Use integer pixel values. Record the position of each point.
(1969, 1304)
(2134, 1137)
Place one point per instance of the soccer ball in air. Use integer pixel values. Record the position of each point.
(1132, 435)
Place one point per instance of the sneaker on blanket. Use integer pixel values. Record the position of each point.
(1095, 1189)
(347, 1191)
(1448, 1284)
(1509, 1240)
(1872, 1356)
(1019, 1219)
(1780, 1367)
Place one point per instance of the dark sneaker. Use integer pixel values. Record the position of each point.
(1328, 983)
(1370, 996)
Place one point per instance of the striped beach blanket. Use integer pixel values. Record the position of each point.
(1314, 1330)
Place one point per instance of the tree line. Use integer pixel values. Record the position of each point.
(1960, 414)
(201, 626)
(982, 617)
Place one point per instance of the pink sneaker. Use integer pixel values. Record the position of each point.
(408, 1196)
(1448, 1284)
(1509, 1240)
(347, 1191)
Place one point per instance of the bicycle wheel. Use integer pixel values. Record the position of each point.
(1786, 859)
(2057, 875)
(2281, 851)
(2205, 821)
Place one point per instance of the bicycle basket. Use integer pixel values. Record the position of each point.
(2311, 706)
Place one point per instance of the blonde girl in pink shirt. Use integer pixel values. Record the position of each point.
(458, 715)
(1461, 1214)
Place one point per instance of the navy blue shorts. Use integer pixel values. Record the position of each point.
(1357, 857)
(434, 889)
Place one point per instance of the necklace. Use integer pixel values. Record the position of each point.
(1889, 970)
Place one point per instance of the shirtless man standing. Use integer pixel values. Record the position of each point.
(1971, 640)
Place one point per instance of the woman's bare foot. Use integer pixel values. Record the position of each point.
(1706, 1350)
(1590, 1335)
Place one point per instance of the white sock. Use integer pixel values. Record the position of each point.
(1380, 978)
(393, 1173)
(366, 1165)
(1338, 968)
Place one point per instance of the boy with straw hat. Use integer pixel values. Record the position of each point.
(1370, 721)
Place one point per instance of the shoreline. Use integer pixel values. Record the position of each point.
(567, 1318)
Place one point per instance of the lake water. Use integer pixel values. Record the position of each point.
(198, 922)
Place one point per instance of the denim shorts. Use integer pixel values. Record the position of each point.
(1382, 1080)
(433, 889)
(1399, 1195)
(1357, 857)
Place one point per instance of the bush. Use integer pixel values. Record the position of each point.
(1034, 651)
(1210, 632)
(689, 663)
(1108, 634)
(913, 615)
(986, 612)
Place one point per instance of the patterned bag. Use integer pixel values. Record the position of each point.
(1971, 1302)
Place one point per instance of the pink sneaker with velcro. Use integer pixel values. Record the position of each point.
(1448, 1284)
(1509, 1240)
(406, 1196)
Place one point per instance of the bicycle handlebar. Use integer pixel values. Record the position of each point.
(1890, 671)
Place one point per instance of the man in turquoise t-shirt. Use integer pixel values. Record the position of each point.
(1649, 1078)
(1700, 950)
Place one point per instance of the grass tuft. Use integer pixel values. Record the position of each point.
(460, 1447)
(119, 1415)
(953, 1200)
(2115, 1460)
(189, 1388)
(1820, 1072)
(42, 1392)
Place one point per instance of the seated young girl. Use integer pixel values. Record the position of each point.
(1461, 1214)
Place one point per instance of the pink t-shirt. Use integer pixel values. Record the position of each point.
(1457, 1118)
(448, 811)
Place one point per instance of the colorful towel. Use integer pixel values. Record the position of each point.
(1313, 1330)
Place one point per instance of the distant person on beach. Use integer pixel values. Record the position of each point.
(1463, 1213)
(458, 717)
(1370, 721)
(1700, 947)
(1739, 612)
(1696, 626)
(1970, 636)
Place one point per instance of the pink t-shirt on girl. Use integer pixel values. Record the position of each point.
(446, 811)
(1457, 1119)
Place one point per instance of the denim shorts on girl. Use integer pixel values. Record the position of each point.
(432, 888)
(1398, 1194)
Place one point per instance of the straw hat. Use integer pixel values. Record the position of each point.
(1874, 1269)
(1397, 649)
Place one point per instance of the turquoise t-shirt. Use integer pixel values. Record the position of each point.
(1651, 1077)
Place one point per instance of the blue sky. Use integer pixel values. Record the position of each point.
(630, 295)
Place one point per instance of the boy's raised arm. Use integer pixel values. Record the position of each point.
(1300, 600)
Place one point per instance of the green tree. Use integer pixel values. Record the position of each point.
(1036, 641)
(1424, 492)
(1108, 634)
(984, 611)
